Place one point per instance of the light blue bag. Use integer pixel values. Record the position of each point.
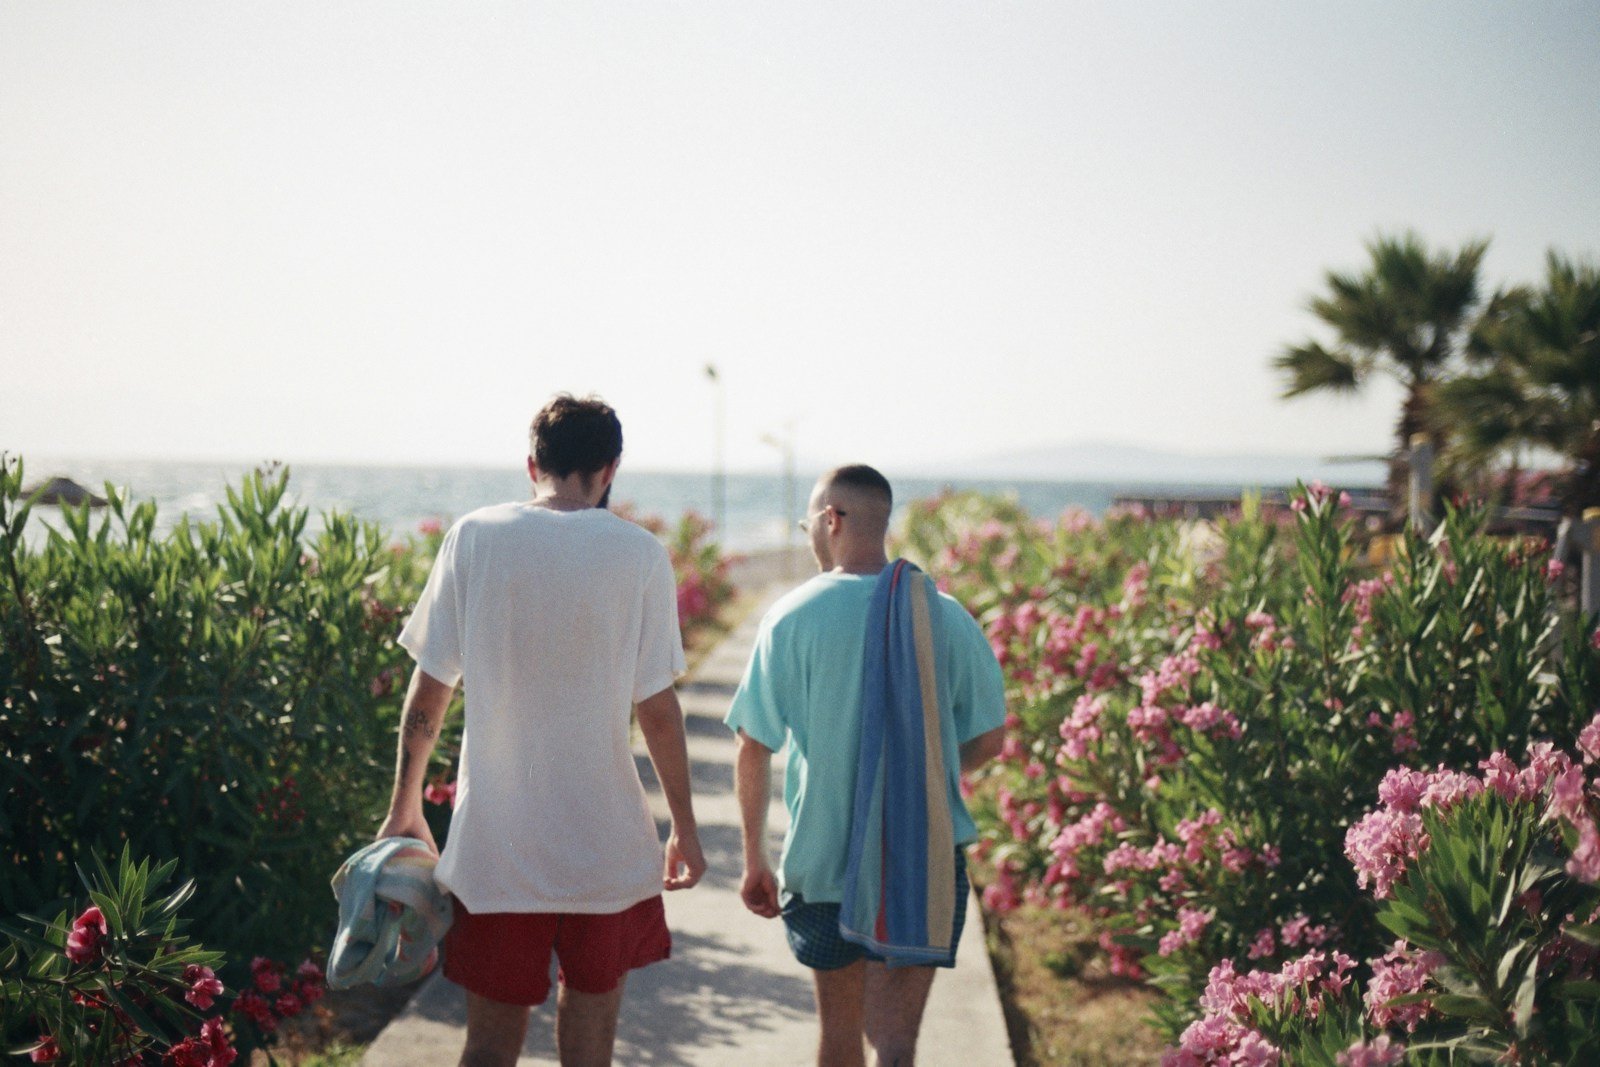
(391, 915)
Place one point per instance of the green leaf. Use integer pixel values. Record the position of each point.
(1466, 1006)
(1523, 1008)
(1578, 989)
(1588, 933)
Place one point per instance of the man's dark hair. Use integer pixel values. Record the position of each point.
(575, 436)
(860, 476)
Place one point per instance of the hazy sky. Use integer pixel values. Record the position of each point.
(388, 231)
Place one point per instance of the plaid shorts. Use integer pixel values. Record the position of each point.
(815, 940)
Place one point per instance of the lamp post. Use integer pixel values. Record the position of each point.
(785, 445)
(719, 473)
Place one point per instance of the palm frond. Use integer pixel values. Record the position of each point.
(1312, 368)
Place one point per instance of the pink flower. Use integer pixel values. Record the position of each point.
(1337, 978)
(268, 978)
(1192, 922)
(216, 1038)
(1554, 570)
(1567, 800)
(1082, 728)
(440, 792)
(429, 527)
(1264, 945)
(257, 1009)
(1381, 1052)
(1585, 862)
(1001, 895)
(1124, 960)
(1589, 738)
(203, 986)
(1380, 845)
(86, 940)
(1446, 789)
(47, 1052)
(209, 1049)
(288, 1006)
(1401, 789)
(1215, 1040)
(1400, 973)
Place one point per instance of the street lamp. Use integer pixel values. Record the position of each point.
(785, 445)
(719, 474)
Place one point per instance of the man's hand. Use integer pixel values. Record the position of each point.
(752, 781)
(408, 825)
(686, 864)
(759, 890)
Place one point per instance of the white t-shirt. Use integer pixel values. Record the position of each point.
(556, 623)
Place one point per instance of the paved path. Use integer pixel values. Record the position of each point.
(731, 996)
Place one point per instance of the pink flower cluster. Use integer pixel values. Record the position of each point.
(1400, 972)
(1192, 922)
(1221, 1041)
(1291, 934)
(440, 792)
(1402, 730)
(1223, 1035)
(1386, 839)
(1086, 832)
(1360, 595)
(1043, 648)
(1081, 729)
(203, 986)
(275, 996)
(210, 1048)
(1298, 986)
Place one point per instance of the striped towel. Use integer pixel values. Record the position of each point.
(391, 915)
(899, 896)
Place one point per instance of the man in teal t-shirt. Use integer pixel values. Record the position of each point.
(803, 688)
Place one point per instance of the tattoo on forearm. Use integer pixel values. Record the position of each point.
(414, 724)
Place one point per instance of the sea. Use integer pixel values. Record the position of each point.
(753, 511)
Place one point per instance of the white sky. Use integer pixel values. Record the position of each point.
(388, 231)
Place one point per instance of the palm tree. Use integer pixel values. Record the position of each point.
(1407, 315)
(1539, 385)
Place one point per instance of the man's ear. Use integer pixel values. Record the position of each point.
(533, 469)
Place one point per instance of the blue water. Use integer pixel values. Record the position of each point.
(759, 507)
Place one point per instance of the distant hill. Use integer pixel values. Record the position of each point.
(1100, 461)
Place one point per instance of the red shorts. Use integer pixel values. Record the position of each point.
(505, 956)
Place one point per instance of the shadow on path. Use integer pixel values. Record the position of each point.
(705, 997)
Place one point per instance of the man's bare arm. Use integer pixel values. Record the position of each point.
(752, 779)
(427, 699)
(661, 723)
(981, 749)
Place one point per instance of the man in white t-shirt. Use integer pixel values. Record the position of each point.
(558, 618)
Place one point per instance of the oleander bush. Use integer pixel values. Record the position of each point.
(117, 982)
(216, 697)
(224, 696)
(1200, 712)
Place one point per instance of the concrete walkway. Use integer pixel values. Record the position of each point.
(731, 996)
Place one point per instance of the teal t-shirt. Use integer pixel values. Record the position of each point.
(803, 687)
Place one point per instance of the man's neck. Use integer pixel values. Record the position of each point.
(564, 494)
(866, 564)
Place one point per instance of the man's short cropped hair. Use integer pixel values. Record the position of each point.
(573, 436)
(861, 477)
